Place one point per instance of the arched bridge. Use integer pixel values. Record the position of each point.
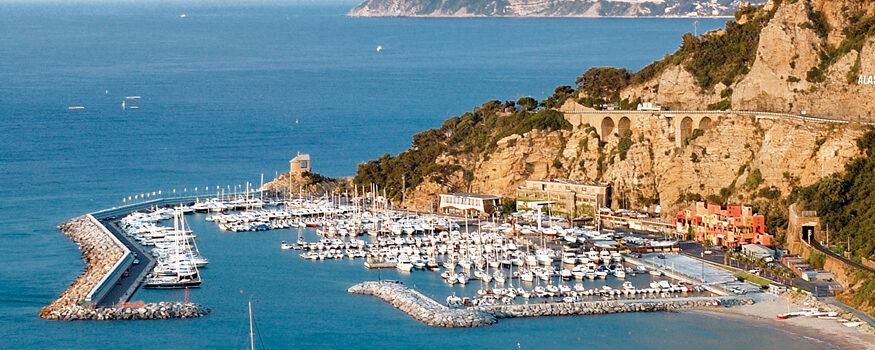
(619, 123)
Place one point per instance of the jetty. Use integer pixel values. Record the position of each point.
(106, 259)
(432, 313)
(421, 307)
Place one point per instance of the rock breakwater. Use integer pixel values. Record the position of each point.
(100, 253)
(603, 307)
(151, 311)
(432, 313)
(422, 307)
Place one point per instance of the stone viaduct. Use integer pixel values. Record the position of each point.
(617, 123)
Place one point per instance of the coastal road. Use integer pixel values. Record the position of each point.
(118, 290)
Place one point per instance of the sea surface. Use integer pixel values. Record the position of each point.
(231, 92)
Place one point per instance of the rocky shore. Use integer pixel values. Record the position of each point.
(101, 253)
(421, 307)
(434, 314)
(151, 311)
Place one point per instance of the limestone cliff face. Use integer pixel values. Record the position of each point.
(790, 47)
(544, 8)
(654, 170)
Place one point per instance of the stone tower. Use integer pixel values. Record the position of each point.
(300, 164)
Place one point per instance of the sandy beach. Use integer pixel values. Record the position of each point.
(831, 334)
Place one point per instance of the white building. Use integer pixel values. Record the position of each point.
(757, 251)
(459, 203)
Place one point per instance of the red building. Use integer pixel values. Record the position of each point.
(731, 227)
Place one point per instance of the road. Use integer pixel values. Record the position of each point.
(117, 292)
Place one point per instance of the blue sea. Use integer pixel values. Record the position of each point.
(231, 92)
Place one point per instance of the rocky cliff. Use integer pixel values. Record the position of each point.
(780, 57)
(739, 158)
(544, 8)
(786, 56)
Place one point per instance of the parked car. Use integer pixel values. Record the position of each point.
(125, 274)
(136, 262)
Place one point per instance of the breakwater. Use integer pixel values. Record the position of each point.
(421, 307)
(434, 314)
(102, 254)
(604, 307)
(151, 311)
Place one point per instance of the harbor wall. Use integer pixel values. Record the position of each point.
(421, 307)
(432, 313)
(100, 253)
(106, 258)
(606, 307)
(151, 311)
(115, 272)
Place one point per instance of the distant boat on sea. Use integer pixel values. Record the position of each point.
(182, 16)
(132, 98)
(379, 48)
(135, 107)
(75, 108)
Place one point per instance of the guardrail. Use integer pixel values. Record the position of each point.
(116, 211)
(117, 269)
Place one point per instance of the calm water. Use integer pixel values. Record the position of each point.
(230, 93)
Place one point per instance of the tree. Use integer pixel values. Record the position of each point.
(527, 103)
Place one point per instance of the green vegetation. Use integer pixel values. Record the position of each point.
(762, 282)
(722, 105)
(816, 259)
(860, 28)
(527, 103)
(624, 145)
(560, 94)
(846, 201)
(475, 132)
(603, 83)
(314, 178)
(696, 133)
(863, 288)
(754, 180)
(508, 205)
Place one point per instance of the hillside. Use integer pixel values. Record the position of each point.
(790, 56)
(544, 8)
(736, 157)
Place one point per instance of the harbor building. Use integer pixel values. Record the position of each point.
(733, 226)
(300, 164)
(472, 203)
(572, 198)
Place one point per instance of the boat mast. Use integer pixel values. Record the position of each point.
(251, 334)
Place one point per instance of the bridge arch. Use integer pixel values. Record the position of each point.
(705, 123)
(607, 127)
(686, 128)
(624, 127)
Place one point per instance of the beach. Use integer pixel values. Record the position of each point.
(830, 333)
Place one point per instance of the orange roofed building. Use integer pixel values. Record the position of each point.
(731, 227)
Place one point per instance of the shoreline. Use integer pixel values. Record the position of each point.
(349, 14)
(828, 333)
